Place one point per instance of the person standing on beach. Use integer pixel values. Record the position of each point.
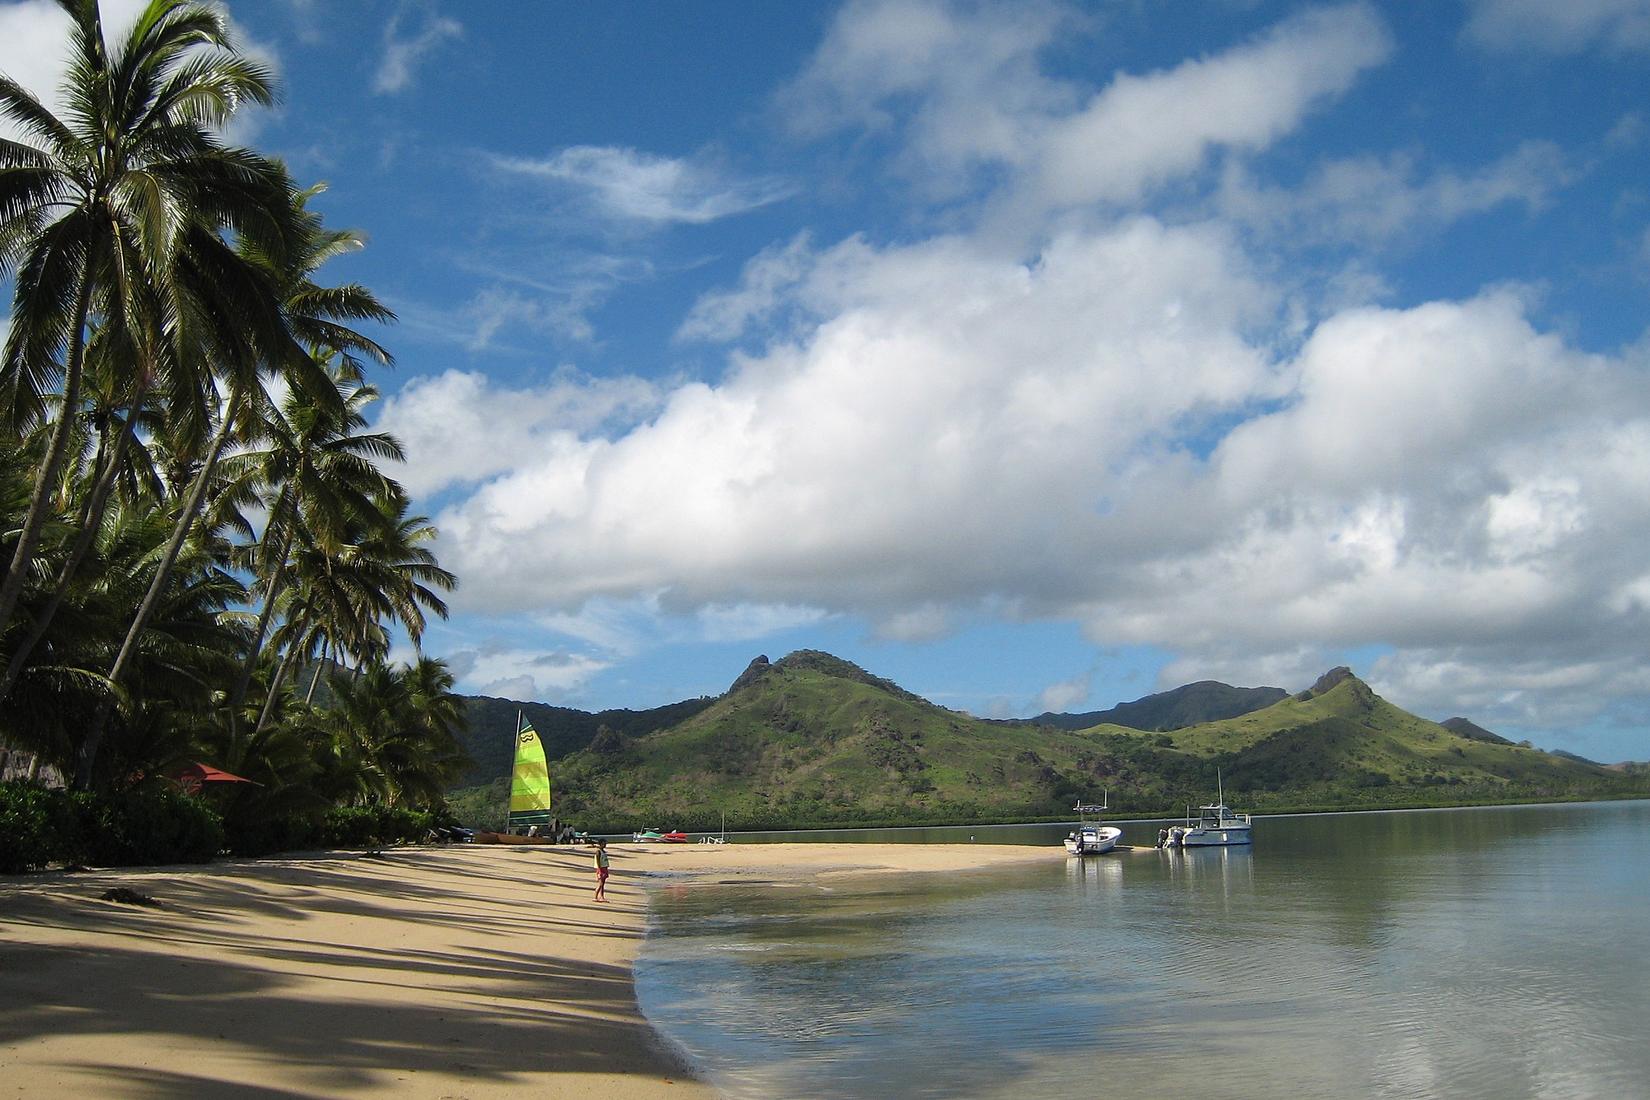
(601, 870)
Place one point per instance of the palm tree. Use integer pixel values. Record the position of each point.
(317, 463)
(313, 330)
(391, 734)
(340, 598)
(111, 211)
(118, 457)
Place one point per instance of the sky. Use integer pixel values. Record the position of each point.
(1037, 356)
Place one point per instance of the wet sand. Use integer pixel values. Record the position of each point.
(470, 971)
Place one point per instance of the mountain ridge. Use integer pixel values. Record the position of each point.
(812, 738)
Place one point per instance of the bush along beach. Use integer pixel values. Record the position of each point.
(206, 556)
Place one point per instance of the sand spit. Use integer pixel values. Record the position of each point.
(457, 972)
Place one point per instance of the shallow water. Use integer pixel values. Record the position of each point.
(1494, 953)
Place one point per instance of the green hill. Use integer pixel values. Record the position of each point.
(1340, 734)
(812, 739)
(490, 739)
(1190, 705)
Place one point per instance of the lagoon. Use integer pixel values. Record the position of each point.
(1492, 952)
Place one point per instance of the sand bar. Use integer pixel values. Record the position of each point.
(459, 972)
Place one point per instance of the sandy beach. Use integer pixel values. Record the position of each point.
(470, 971)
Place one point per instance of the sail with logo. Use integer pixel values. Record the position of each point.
(529, 781)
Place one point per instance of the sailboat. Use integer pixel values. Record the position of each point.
(529, 791)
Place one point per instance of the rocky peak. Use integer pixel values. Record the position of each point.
(1326, 682)
(753, 672)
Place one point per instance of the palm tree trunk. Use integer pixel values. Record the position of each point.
(277, 581)
(163, 574)
(309, 697)
(91, 518)
(279, 678)
(51, 465)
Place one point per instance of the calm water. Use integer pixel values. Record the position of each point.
(1494, 953)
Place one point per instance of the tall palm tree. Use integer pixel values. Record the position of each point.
(116, 457)
(341, 598)
(317, 464)
(99, 205)
(313, 330)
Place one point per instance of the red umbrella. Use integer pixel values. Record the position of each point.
(194, 776)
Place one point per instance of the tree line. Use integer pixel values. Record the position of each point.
(200, 539)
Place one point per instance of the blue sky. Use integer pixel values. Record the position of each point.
(1037, 356)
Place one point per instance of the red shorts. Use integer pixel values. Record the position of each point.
(601, 874)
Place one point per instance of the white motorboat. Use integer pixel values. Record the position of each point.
(1216, 825)
(1092, 838)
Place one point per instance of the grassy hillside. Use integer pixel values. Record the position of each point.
(1340, 736)
(812, 739)
(817, 739)
(490, 739)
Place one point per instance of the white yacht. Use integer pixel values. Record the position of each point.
(1092, 838)
(1216, 825)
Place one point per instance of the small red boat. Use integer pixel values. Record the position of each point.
(674, 838)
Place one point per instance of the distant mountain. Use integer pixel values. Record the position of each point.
(1204, 701)
(1473, 732)
(815, 739)
(490, 739)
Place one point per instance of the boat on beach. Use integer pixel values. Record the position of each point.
(1092, 838)
(654, 836)
(485, 836)
(1217, 825)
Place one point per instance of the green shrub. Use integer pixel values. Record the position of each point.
(108, 829)
(371, 826)
(34, 823)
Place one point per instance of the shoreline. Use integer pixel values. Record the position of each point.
(442, 972)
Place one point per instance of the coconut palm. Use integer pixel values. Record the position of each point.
(111, 210)
(114, 455)
(391, 735)
(318, 469)
(314, 330)
(340, 599)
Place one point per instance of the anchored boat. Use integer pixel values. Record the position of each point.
(1092, 838)
(1216, 825)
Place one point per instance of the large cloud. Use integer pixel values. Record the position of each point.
(949, 431)
(1140, 423)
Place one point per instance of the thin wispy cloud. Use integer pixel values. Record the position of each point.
(411, 36)
(635, 186)
(1560, 26)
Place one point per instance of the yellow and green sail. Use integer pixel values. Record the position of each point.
(529, 780)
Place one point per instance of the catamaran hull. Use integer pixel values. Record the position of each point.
(484, 837)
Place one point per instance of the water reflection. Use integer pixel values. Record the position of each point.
(1490, 953)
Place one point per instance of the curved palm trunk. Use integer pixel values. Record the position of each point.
(315, 680)
(91, 518)
(163, 574)
(57, 449)
(279, 678)
(277, 581)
